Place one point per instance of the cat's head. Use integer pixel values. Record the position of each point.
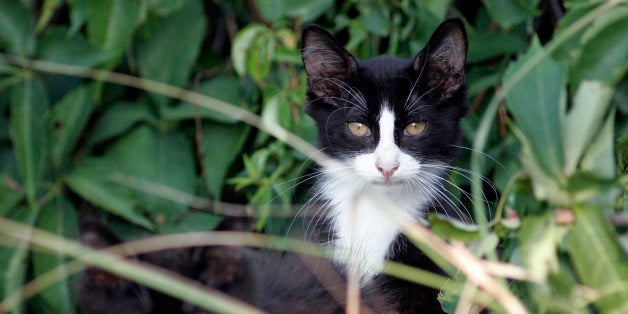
(390, 120)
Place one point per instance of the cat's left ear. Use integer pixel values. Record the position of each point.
(442, 60)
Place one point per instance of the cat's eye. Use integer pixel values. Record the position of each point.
(414, 128)
(358, 129)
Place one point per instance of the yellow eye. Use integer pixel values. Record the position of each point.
(415, 128)
(358, 129)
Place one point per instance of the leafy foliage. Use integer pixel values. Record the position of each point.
(549, 101)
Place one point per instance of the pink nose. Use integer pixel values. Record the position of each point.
(387, 171)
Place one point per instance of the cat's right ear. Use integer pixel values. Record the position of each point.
(326, 62)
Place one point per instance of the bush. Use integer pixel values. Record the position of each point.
(87, 125)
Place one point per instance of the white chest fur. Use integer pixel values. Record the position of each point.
(365, 232)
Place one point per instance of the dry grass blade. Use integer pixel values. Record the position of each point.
(143, 273)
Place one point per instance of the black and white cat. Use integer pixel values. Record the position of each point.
(393, 126)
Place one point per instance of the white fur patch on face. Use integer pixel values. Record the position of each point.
(363, 231)
(387, 166)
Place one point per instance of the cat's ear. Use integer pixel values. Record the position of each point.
(442, 60)
(325, 61)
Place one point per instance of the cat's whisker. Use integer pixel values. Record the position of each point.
(461, 172)
(436, 180)
(485, 155)
(433, 186)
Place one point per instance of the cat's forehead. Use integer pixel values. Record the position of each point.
(384, 67)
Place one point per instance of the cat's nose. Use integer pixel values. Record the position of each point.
(387, 171)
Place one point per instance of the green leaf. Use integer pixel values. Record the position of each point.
(272, 10)
(307, 11)
(222, 87)
(170, 53)
(78, 15)
(605, 56)
(164, 7)
(599, 157)
(9, 196)
(111, 23)
(15, 263)
(536, 102)
(90, 180)
(540, 237)
(375, 17)
(222, 144)
(437, 7)
(244, 43)
(198, 221)
(55, 46)
(119, 117)
(451, 230)
(28, 106)
(584, 120)
(484, 46)
(277, 111)
(599, 261)
(47, 11)
(59, 217)
(509, 12)
(17, 28)
(163, 158)
(67, 120)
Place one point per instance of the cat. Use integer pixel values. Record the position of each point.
(393, 124)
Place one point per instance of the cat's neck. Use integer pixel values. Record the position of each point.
(363, 222)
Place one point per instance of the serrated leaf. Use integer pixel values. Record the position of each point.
(170, 53)
(67, 121)
(584, 119)
(59, 217)
(222, 144)
(111, 23)
(28, 106)
(17, 27)
(599, 261)
(164, 158)
(90, 180)
(536, 102)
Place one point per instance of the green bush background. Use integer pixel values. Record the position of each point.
(548, 124)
